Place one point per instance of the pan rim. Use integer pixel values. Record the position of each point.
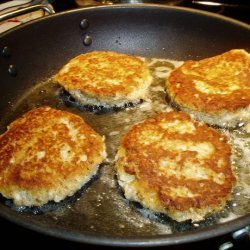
(159, 240)
(152, 241)
(132, 6)
(157, 6)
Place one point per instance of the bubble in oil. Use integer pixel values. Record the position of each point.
(10, 103)
(42, 91)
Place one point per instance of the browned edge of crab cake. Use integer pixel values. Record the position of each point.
(215, 90)
(176, 166)
(105, 78)
(47, 155)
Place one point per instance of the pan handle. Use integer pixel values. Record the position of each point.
(228, 4)
(46, 8)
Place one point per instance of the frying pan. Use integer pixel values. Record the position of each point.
(34, 52)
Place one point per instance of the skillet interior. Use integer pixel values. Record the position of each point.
(39, 49)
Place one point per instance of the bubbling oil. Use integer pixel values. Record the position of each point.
(113, 126)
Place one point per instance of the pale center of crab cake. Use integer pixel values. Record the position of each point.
(216, 89)
(105, 78)
(177, 166)
(47, 154)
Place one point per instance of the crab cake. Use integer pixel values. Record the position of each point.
(105, 78)
(215, 90)
(176, 166)
(47, 155)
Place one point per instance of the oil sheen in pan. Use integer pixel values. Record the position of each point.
(100, 207)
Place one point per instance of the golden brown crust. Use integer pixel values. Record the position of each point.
(184, 164)
(213, 84)
(104, 74)
(46, 148)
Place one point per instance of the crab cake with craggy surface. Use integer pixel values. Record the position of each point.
(176, 166)
(47, 155)
(105, 78)
(215, 90)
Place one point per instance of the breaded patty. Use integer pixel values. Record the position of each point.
(176, 166)
(47, 155)
(105, 78)
(216, 90)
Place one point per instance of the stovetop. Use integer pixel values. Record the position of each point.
(236, 9)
